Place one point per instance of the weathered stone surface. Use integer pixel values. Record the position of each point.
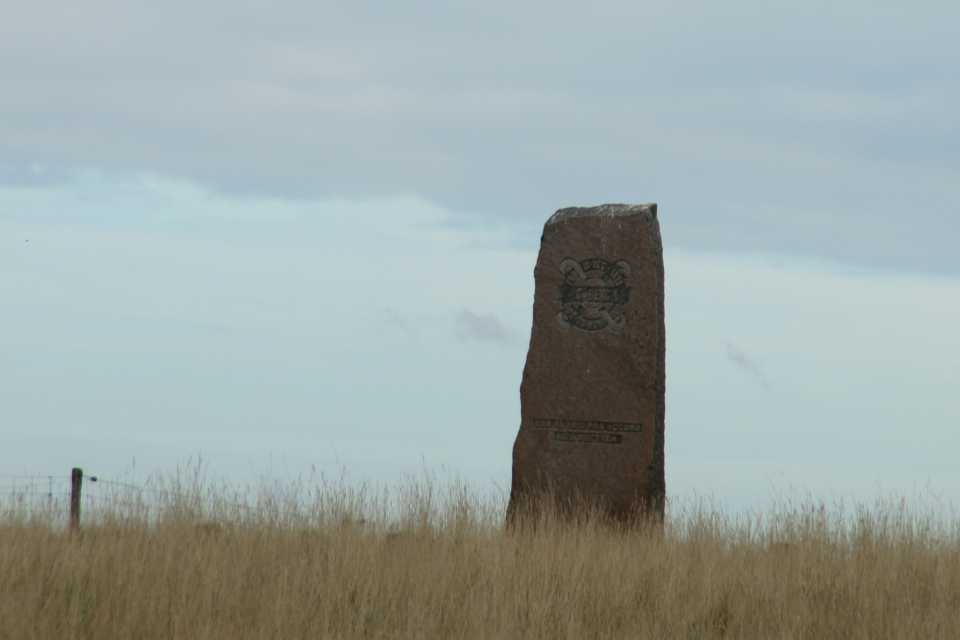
(592, 396)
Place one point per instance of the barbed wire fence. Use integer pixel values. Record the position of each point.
(61, 500)
(67, 501)
(45, 498)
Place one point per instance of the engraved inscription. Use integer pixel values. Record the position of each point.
(594, 438)
(593, 294)
(588, 425)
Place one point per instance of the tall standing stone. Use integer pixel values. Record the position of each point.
(592, 396)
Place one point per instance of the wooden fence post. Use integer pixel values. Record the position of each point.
(76, 479)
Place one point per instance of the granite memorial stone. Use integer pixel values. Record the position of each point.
(592, 395)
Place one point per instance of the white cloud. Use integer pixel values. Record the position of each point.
(486, 328)
(745, 363)
(730, 117)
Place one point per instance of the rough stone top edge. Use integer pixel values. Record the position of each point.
(602, 210)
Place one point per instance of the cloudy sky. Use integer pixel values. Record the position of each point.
(303, 234)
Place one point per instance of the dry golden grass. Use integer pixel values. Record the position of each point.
(332, 562)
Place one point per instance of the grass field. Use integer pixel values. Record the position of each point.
(185, 560)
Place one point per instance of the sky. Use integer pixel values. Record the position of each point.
(302, 235)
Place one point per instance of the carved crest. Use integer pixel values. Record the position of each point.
(593, 294)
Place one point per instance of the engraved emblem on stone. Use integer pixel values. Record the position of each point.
(593, 294)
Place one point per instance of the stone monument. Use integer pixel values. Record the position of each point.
(592, 395)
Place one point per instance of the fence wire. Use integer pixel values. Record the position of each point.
(47, 500)
(190, 497)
